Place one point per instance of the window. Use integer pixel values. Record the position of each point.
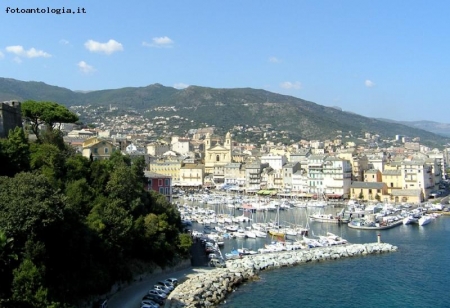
(217, 157)
(160, 182)
(95, 151)
(161, 190)
(106, 150)
(149, 182)
(167, 182)
(167, 191)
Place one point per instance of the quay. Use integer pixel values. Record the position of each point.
(211, 288)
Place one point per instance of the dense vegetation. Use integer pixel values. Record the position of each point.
(225, 108)
(71, 227)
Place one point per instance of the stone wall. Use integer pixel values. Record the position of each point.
(209, 289)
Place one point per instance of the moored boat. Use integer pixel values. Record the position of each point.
(424, 220)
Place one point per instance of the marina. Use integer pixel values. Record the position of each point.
(243, 225)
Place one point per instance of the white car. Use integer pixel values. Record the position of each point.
(158, 292)
(172, 281)
(161, 288)
(166, 284)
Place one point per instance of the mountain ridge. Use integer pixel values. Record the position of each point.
(225, 108)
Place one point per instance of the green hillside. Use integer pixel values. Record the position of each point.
(225, 108)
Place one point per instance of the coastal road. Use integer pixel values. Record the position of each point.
(131, 296)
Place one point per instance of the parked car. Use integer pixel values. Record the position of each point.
(165, 284)
(156, 298)
(162, 288)
(217, 263)
(173, 281)
(148, 303)
(158, 292)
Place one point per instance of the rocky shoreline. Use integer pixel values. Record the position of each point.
(211, 288)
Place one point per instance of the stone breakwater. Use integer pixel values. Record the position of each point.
(210, 288)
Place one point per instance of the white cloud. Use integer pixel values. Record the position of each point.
(30, 53)
(163, 41)
(64, 42)
(106, 48)
(180, 85)
(274, 60)
(369, 83)
(291, 85)
(1, 55)
(85, 68)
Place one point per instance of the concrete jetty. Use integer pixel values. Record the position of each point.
(209, 289)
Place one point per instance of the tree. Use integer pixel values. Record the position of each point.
(45, 113)
(15, 153)
(29, 208)
(49, 160)
(28, 284)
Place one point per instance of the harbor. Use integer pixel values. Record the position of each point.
(245, 225)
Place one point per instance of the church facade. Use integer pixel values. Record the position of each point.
(217, 156)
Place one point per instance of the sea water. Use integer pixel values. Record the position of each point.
(417, 275)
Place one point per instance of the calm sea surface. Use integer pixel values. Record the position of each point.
(418, 275)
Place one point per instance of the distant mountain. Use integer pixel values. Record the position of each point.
(434, 127)
(225, 108)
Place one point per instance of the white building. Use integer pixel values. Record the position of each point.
(180, 145)
(337, 177)
(274, 161)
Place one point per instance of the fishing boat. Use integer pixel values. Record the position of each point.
(363, 224)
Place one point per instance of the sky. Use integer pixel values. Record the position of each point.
(388, 59)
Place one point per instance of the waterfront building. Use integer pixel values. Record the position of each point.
(393, 179)
(436, 171)
(315, 173)
(289, 169)
(234, 174)
(417, 174)
(337, 177)
(367, 191)
(300, 181)
(253, 173)
(192, 175)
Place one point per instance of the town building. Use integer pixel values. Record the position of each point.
(160, 183)
(96, 148)
(369, 191)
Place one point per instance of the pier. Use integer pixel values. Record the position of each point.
(211, 288)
